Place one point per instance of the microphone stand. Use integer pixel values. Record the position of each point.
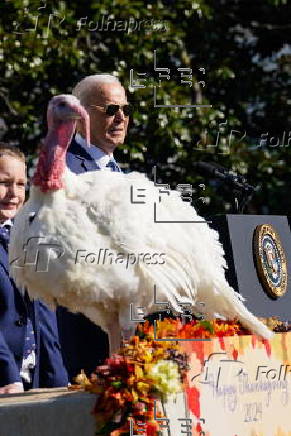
(242, 191)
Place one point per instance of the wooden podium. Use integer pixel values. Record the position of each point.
(237, 233)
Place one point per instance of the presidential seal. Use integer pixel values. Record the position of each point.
(270, 260)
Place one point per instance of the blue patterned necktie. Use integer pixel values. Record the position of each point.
(29, 348)
(113, 165)
(29, 344)
(4, 236)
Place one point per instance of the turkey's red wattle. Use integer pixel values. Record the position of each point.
(63, 112)
(52, 159)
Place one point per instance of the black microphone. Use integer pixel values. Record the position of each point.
(233, 180)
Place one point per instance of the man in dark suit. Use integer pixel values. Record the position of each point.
(84, 344)
(30, 353)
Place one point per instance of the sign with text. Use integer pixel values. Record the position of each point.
(239, 386)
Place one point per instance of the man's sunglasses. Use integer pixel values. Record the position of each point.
(111, 109)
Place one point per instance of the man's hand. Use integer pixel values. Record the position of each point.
(13, 388)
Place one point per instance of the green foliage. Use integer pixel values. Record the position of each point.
(46, 50)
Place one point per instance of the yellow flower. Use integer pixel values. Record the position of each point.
(143, 387)
(138, 371)
(165, 376)
(82, 379)
(134, 396)
(147, 356)
(131, 380)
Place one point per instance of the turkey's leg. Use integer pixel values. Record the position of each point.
(127, 332)
(114, 336)
(118, 335)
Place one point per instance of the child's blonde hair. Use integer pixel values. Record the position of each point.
(11, 150)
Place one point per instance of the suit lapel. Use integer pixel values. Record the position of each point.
(79, 160)
(87, 165)
(18, 297)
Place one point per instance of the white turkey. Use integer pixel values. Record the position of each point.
(69, 217)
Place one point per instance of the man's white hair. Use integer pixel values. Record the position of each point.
(83, 88)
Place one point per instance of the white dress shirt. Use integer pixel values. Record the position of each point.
(101, 158)
(8, 222)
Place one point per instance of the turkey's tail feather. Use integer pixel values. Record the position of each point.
(172, 284)
(231, 306)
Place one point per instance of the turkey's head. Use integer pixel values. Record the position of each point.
(62, 115)
(67, 109)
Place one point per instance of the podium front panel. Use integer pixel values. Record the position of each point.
(236, 234)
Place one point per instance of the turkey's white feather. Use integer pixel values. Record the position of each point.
(95, 211)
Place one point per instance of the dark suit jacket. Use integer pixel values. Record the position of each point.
(84, 344)
(78, 160)
(14, 311)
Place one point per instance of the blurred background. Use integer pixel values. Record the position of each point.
(233, 57)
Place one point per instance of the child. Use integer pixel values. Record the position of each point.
(30, 354)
